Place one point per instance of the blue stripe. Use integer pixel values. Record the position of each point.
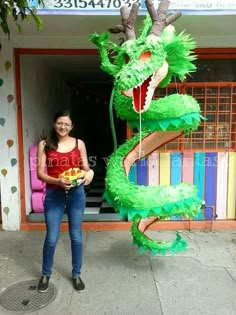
(142, 169)
(175, 174)
(176, 168)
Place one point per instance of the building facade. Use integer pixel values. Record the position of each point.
(58, 67)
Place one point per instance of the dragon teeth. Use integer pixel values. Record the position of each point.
(149, 94)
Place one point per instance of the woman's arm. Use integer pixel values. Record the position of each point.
(84, 163)
(41, 166)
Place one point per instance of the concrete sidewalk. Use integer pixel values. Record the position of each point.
(120, 281)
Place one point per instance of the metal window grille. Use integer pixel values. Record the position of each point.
(217, 101)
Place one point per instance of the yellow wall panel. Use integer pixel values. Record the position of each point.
(165, 168)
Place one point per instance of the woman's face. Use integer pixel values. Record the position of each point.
(63, 125)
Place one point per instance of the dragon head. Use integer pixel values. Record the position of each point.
(147, 58)
(142, 64)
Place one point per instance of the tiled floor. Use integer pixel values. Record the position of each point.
(95, 204)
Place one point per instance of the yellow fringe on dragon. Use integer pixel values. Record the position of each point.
(139, 66)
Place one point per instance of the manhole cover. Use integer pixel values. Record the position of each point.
(24, 297)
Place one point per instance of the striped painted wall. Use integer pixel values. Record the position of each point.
(214, 174)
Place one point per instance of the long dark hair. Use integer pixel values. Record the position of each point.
(52, 139)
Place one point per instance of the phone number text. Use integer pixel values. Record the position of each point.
(91, 4)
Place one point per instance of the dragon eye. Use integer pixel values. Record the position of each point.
(145, 56)
(126, 59)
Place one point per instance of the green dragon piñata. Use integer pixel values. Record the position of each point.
(139, 66)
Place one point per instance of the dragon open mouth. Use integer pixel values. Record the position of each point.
(142, 93)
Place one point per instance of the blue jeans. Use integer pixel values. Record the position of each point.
(55, 202)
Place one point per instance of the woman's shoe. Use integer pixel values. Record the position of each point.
(43, 284)
(78, 284)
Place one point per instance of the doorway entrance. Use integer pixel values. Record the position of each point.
(49, 80)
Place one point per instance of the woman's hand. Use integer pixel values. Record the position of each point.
(64, 183)
(88, 177)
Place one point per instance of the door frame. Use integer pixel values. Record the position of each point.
(18, 52)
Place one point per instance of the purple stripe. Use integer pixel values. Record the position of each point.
(210, 183)
(142, 172)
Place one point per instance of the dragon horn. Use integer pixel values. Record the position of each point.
(128, 22)
(159, 19)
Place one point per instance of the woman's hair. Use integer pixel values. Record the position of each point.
(52, 139)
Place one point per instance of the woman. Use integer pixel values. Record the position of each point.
(56, 154)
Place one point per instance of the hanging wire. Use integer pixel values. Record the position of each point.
(176, 85)
(113, 131)
(140, 126)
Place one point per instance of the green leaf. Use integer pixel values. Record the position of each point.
(39, 22)
(5, 27)
(18, 9)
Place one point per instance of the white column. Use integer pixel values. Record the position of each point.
(9, 172)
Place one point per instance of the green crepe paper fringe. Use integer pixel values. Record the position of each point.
(185, 122)
(103, 44)
(156, 247)
(169, 107)
(179, 54)
(187, 207)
